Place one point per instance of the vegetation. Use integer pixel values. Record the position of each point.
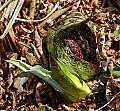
(65, 61)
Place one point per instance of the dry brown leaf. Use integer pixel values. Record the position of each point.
(113, 88)
(31, 59)
(38, 41)
(11, 75)
(20, 80)
(54, 16)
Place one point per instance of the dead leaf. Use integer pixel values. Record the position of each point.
(20, 80)
(113, 88)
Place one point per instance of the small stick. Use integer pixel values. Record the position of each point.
(107, 102)
(5, 4)
(12, 20)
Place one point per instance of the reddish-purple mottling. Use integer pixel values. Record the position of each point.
(73, 47)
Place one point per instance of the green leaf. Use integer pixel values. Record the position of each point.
(40, 72)
(71, 74)
(23, 66)
(116, 71)
(117, 32)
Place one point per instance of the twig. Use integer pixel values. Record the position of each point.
(32, 10)
(12, 20)
(107, 102)
(25, 20)
(24, 45)
(5, 4)
(26, 30)
(103, 4)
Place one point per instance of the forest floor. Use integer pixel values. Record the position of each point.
(24, 25)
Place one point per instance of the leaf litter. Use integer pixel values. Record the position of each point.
(23, 23)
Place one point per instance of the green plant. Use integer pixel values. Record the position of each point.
(116, 71)
(73, 88)
(117, 32)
